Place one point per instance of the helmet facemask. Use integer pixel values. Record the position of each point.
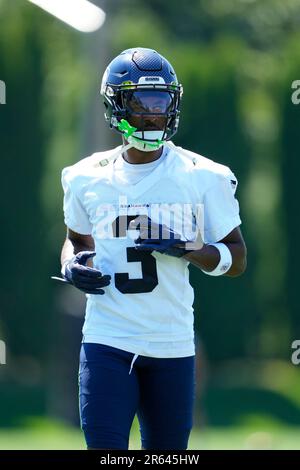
(146, 115)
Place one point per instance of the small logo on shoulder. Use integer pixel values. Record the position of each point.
(104, 162)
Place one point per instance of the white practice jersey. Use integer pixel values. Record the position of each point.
(148, 307)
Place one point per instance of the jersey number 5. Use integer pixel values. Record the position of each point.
(148, 263)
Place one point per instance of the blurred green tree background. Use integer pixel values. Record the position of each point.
(237, 60)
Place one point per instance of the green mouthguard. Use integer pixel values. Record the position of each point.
(128, 130)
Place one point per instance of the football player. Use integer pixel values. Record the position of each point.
(136, 216)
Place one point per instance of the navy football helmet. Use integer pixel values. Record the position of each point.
(142, 97)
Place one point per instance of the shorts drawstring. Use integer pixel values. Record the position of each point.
(132, 362)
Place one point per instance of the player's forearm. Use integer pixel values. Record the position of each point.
(67, 251)
(72, 247)
(208, 258)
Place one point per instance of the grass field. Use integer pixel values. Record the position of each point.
(53, 435)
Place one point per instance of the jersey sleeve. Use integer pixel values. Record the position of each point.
(221, 208)
(75, 215)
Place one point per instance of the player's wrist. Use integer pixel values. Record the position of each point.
(225, 260)
(64, 267)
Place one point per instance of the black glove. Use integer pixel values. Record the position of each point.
(158, 237)
(88, 280)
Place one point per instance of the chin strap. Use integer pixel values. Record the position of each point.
(184, 153)
(121, 149)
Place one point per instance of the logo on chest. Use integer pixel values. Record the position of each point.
(113, 220)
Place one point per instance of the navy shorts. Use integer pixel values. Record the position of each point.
(114, 385)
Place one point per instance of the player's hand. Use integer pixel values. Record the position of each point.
(158, 237)
(88, 280)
